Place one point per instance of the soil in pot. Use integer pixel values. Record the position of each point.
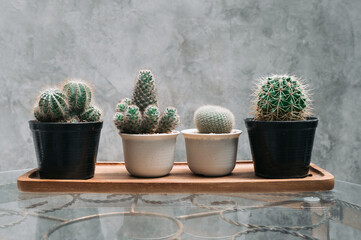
(66, 150)
(209, 154)
(281, 149)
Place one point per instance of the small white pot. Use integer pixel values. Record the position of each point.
(211, 154)
(149, 155)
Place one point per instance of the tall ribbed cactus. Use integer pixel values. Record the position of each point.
(144, 92)
(141, 114)
(213, 119)
(281, 98)
(69, 105)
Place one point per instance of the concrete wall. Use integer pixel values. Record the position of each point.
(202, 52)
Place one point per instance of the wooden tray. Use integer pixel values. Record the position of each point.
(114, 178)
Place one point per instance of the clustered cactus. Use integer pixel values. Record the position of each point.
(213, 119)
(71, 104)
(281, 98)
(141, 113)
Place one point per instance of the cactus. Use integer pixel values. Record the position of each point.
(213, 119)
(133, 120)
(281, 98)
(119, 120)
(52, 107)
(69, 105)
(141, 114)
(122, 105)
(168, 121)
(144, 92)
(90, 114)
(78, 94)
(150, 119)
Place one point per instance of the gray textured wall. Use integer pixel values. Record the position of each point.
(201, 52)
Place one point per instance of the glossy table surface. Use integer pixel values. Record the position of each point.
(334, 214)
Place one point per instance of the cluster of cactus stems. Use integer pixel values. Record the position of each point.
(141, 115)
(281, 98)
(213, 119)
(71, 104)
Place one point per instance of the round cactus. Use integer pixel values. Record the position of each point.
(52, 106)
(70, 105)
(281, 98)
(144, 92)
(168, 121)
(213, 119)
(78, 94)
(90, 114)
(150, 119)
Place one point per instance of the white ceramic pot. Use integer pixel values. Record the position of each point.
(149, 155)
(211, 154)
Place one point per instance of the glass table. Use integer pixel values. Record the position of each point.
(334, 214)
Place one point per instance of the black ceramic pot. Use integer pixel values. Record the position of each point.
(281, 149)
(66, 150)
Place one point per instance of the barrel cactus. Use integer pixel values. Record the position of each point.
(52, 107)
(213, 119)
(71, 104)
(281, 98)
(141, 115)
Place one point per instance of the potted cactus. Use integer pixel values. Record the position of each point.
(66, 131)
(212, 147)
(148, 135)
(281, 134)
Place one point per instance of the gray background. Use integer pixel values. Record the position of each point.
(202, 52)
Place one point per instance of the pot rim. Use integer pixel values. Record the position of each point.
(150, 135)
(194, 132)
(308, 119)
(62, 123)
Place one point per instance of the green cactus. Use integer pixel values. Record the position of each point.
(213, 119)
(90, 114)
(150, 119)
(281, 98)
(141, 114)
(144, 93)
(119, 120)
(122, 105)
(133, 120)
(78, 94)
(168, 121)
(52, 106)
(70, 105)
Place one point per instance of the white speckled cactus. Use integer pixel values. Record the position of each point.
(213, 119)
(141, 115)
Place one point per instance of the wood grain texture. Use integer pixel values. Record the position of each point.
(114, 178)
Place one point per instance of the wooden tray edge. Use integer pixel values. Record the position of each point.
(24, 184)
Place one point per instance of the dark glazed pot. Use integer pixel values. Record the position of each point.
(66, 150)
(281, 149)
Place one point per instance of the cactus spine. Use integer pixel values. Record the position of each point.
(141, 114)
(281, 98)
(214, 119)
(71, 104)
